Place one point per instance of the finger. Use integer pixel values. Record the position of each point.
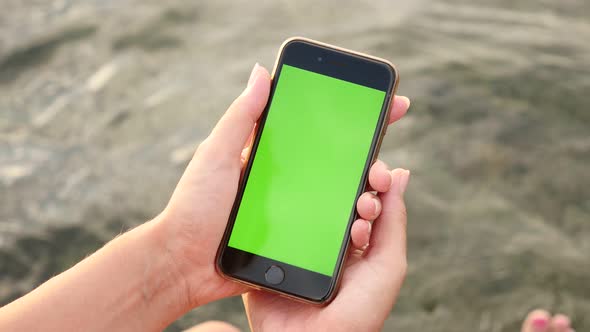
(399, 107)
(360, 233)
(379, 177)
(560, 323)
(368, 206)
(537, 321)
(388, 250)
(376, 278)
(231, 132)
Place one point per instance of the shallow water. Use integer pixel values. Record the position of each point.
(103, 102)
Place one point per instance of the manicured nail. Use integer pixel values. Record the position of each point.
(540, 324)
(404, 178)
(252, 77)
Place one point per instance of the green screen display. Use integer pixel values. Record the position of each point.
(310, 159)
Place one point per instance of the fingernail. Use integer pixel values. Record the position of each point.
(375, 206)
(404, 178)
(540, 324)
(252, 77)
(406, 100)
(369, 230)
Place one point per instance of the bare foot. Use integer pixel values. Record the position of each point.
(542, 321)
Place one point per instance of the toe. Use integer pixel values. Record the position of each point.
(537, 321)
(560, 323)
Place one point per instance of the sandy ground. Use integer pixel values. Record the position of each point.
(103, 102)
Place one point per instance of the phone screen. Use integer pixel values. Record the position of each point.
(307, 168)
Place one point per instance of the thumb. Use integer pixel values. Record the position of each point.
(232, 131)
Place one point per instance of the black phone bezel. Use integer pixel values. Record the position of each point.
(300, 283)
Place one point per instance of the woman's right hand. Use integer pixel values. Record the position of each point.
(370, 283)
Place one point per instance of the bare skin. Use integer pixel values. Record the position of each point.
(150, 276)
(536, 321)
(543, 321)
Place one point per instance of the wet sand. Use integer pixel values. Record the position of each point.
(103, 102)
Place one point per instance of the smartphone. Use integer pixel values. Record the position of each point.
(289, 229)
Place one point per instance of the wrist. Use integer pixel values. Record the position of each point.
(155, 289)
(130, 284)
(191, 255)
(164, 276)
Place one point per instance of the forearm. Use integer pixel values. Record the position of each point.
(130, 284)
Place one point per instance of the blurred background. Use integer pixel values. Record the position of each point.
(102, 103)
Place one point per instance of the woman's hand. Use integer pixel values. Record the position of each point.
(150, 276)
(194, 221)
(370, 283)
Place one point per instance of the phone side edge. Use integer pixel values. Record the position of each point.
(229, 226)
(370, 161)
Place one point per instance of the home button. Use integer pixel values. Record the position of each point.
(274, 275)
